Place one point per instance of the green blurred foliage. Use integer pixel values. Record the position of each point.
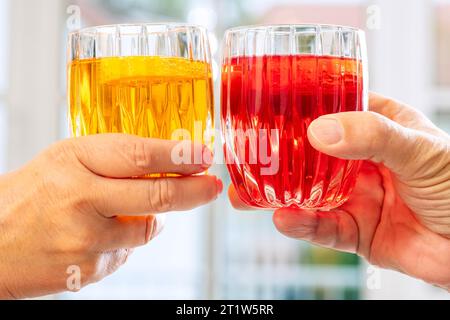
(322, 256)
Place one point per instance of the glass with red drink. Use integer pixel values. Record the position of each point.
(275, 81)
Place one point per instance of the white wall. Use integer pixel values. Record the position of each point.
(399, 52)
(4, 77)
(34, 93)
(400, 57)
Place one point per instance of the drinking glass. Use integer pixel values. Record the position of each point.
(275, 81)
(150, 80)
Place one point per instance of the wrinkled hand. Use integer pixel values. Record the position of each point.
(398, 216)
(75, 205)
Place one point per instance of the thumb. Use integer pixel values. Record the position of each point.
(123, 156)
(371, 136)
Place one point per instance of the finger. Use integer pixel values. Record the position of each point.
(141, 196)
(366, 204)
(124, 156)
(371, 136)
(130, 232)
(350, 228)
(335, 229)
(403, 114)
(237, 202)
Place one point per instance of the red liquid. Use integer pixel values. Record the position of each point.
(287, 93)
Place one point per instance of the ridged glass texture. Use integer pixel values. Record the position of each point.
(275, 81)
(146, 79)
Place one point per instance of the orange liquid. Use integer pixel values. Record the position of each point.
(145, 96)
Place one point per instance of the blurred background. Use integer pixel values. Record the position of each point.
(216, 252)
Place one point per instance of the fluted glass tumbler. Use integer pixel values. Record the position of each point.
(150, 80)
(275, 81)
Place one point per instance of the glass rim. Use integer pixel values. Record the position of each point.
(95, 29)
(300, 25)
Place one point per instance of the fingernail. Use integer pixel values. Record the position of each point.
(158, 225)
(219, 184)
(327, 131)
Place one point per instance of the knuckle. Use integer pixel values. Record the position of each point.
(141, 155)
(162, 195)
(431, 157)
(379, 131)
